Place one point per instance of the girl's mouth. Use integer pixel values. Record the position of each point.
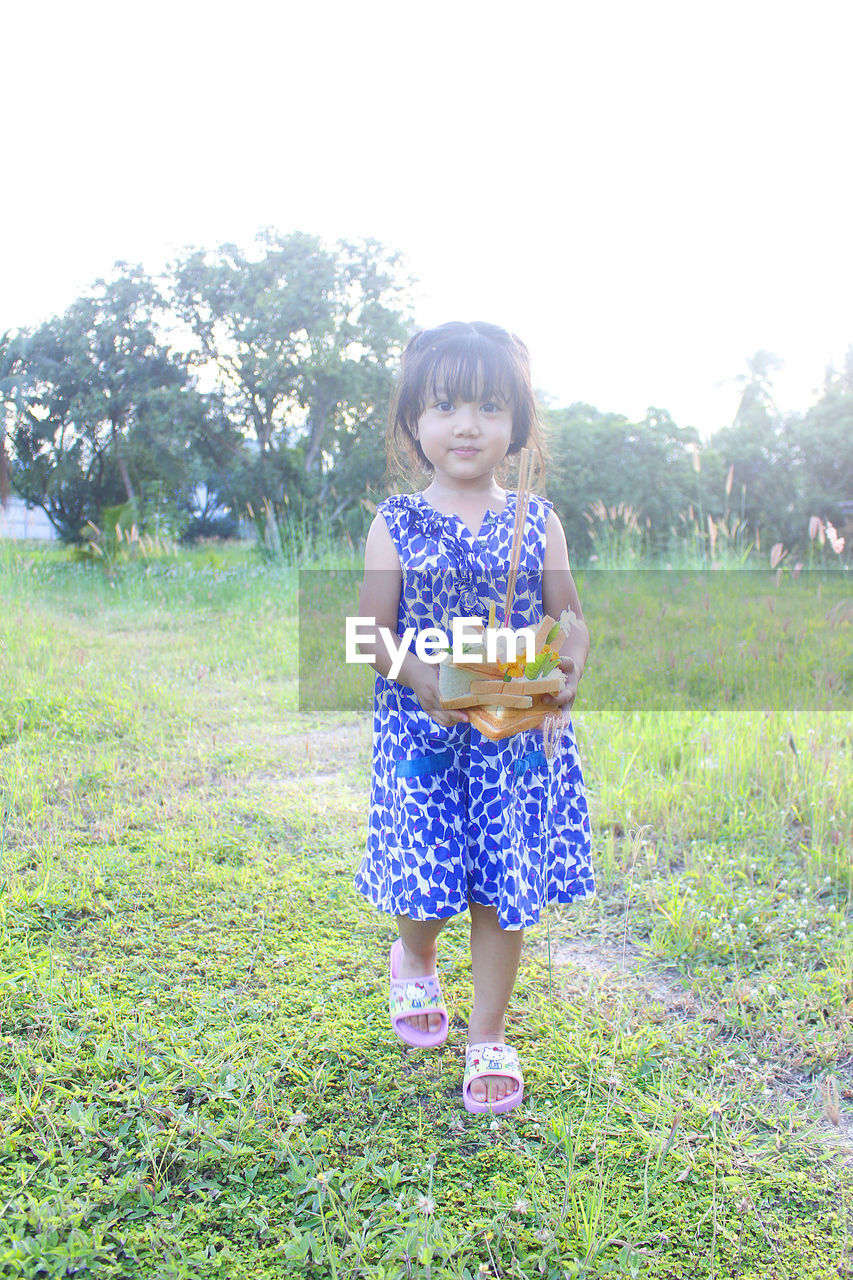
(464, 452)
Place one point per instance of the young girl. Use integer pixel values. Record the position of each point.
(458, 821)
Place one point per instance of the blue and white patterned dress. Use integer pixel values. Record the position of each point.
(454, 815)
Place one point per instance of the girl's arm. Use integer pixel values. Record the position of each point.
(558, 593)
(380, 599)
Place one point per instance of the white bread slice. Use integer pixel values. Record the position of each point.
(546, 684)
(454, 686)
(480, 669)
(459, 704)
(453, 683)
(518, 701)
(499, 722)
(495, 700)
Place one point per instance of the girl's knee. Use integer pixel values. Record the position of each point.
(479, 911)
(488, 917)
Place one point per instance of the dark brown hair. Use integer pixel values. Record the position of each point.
(466, 362)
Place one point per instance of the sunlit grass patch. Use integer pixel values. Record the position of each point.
(198, 1073)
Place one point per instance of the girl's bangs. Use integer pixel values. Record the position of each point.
(472, 371)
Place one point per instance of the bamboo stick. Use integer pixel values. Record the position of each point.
(521, 503)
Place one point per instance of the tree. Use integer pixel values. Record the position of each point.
(822, 450)
(102, 412)
(302, 339)
(7, 386)
(757, 386)
(603, 457)
(758, 446)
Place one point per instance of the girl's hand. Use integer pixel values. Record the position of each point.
(425, 688)
(564, 700)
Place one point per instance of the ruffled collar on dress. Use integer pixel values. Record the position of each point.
(433, 522)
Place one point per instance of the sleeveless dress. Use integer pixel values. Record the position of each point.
(454, 815)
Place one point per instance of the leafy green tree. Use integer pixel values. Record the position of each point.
(102, 412)
(822, 449)
(597, 457)
(303, 340)
(758, 446)
(7, 389)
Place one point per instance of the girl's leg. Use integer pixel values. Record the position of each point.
(495, 953)
(419, 951)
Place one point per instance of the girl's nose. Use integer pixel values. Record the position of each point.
(465, 418)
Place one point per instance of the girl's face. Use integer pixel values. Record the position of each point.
(464, 441)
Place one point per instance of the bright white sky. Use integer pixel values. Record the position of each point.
(646, 192)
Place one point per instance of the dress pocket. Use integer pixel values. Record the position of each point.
(426, 797)
(528, 806)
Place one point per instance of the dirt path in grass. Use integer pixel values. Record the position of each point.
(623, 977)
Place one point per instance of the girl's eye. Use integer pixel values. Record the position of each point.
(491, 407)
(444, 406)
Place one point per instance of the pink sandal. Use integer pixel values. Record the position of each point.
(413, 996)
(492, 1060)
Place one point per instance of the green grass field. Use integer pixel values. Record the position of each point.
(198, 1075)
(663, 641)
